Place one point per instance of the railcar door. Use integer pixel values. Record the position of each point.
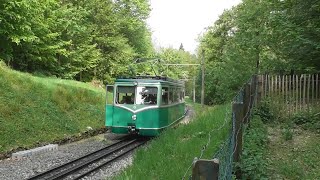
(109, 104)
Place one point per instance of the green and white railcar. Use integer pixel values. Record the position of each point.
(144, 105)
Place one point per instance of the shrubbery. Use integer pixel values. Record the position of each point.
(253, 164)
(308, 120)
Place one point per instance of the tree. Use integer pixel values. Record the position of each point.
(181, 47)
(260, 37)
(74, 38)
(132, 16)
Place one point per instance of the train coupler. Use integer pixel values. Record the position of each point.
(132, 129)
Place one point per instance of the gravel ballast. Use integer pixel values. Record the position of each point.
(28, 166)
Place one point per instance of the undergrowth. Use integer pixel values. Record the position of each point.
(37, 110)
(308, 120)
(278, 145)
(253, 162)
(172, 153)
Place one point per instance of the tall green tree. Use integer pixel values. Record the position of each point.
(132, 16)
(28, 42)
(74, 38)
(260, 37)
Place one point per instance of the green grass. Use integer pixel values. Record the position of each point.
(170, 155)
(37, 110)
(296, 158)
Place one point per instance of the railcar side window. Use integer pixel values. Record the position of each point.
(125, 95)
(182, 95)
(171, 99)
(165, 95)
(147, 95)
(177, 95)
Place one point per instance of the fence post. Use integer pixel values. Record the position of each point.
(259, 87)
(205, 169)
(246, 102)
(317, 90)
(261, 78)
(254, 89)
(312, 93)
(308, 91)
(237, 109)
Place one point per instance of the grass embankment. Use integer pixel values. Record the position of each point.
(36, 110)
(170, 155)
(278, 147)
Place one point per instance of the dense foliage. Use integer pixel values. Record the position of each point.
(74, 38)
(309, 120)
(260, 36)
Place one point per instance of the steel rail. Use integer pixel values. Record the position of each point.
(90, 161)
(61, 168)
(109, 161)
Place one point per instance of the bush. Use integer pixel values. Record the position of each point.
(308, 120)
(264, 111)
(253, 162)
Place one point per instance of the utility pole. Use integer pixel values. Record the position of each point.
(194, 89)
(202, 81)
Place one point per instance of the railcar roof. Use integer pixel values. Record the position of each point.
(149, 79)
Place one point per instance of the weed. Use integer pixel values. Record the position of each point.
(309, 120)
(287, 134)
(294, 159)
(264, 111)
(287, 130)
(285, 151)
(253, 162)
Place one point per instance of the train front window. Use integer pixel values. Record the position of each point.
(125, 95)
(147, 95)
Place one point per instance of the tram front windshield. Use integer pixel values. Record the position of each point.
(141, 95)
(146, 95)
(125, 95)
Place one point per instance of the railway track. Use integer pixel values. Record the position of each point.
(89, 163)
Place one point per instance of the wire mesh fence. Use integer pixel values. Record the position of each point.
(229, 151)
(224, 155)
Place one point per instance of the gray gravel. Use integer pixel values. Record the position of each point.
(113, 169)
(189, 115)
(21, 169)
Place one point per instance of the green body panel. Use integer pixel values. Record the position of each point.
(149, 122)
(171, 114)
(109, 115)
